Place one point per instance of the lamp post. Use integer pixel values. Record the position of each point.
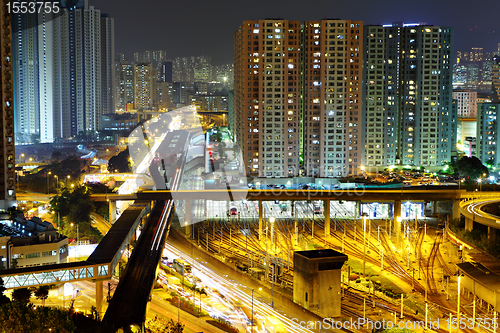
(65, 180)
(57, 180)
(364, 243)
(272, 220)
(480, 184)
(458, 302)
(77, 232)
(251, 324)
(48, 181)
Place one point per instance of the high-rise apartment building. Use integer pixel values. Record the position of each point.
(466, 103)
(332, 117)
(63, 73)
(33, 100)
(488, 133)
(408, 95)
(297, 97)
(495, 78)
(267, 96)
(7, 157)
(107, 63)
(124, 83)
(165, 72)
(144, 91)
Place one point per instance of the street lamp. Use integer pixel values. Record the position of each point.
(77, 232)
(461, 181)
(65, 180)
(57, 180)
(480, 184)
(458, 302)
(48, 181)
(251, 324)
(272, 220)
(364, 243)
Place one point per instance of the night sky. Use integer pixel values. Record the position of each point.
(195, 27)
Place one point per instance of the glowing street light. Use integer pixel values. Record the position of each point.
(48, 181)
(364, 244)
(251, 324)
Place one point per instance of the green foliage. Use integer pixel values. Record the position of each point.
(42, 293)
(55, 156)
(223, 325)
(470, 168)
(21, 295)
(161, 325)
(74, 206)
(26, 318)
(120, 162)
(477, 237)
(3, 299)
(99, 188)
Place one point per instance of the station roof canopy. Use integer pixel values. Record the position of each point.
(480, 274)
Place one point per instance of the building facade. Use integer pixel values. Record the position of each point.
(124, 83)
(332, 117)
(297, 97)
(495, 78)
(144, 90)
(108, 63)
(466, 103)
(31, 243)
(7, 158)
(267, 96)
(408, 95)
(488, 130)
(63, 72)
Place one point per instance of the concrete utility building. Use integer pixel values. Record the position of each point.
(31, 243)
(316, 280)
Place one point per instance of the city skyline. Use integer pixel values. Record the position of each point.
(202, 28)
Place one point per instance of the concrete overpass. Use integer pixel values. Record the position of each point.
(471, 209)
(393, 196)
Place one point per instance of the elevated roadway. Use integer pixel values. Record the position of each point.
(299, 195)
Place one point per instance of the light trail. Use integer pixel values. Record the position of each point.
(235, 291)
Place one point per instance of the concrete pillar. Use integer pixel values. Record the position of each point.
(98, 296)
(112, 211)
(397, 214)
(456, 210)
(435, 207)
(469, 224)
(492, 235)
(358, 210)
(260, 219)
(397, 208)
(327, 217)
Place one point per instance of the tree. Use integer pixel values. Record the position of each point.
(470, 168)
(75, 207)
(3, 299)
(120, 162)
(160, 325)
(19, 317)
(21, 295)
(55, 156)
(42, 293)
